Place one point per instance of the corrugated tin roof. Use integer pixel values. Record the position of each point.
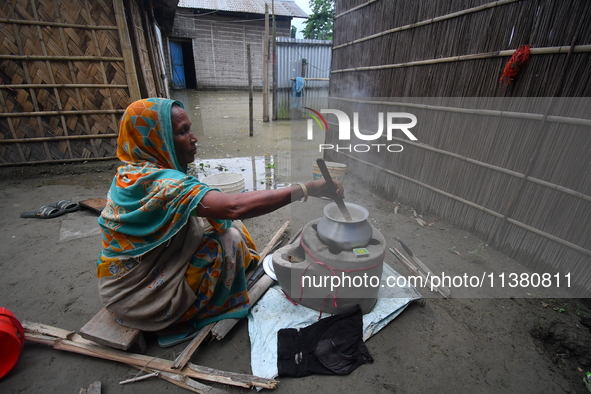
(282, 7)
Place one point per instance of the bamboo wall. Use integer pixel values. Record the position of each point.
(67, 72)
(514, 171)
(219, 47)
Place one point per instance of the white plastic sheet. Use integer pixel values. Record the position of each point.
(274, 312)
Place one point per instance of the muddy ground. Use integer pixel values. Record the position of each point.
(531, 342)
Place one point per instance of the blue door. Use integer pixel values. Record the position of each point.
(178, 68)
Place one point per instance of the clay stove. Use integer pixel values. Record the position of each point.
(333, 264)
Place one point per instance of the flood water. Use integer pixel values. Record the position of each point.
(268, 159)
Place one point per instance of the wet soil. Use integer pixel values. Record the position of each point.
(492, 342)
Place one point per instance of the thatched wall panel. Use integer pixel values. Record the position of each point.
(23, 10)
(69, 100)
(473, 173)
(566, 158)
(46, 11)
(53, 51)
(9, 153)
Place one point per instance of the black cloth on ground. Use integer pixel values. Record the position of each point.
(331, 346)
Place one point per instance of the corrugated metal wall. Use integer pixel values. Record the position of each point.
(290, 53)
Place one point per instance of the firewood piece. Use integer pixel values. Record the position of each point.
(185, 356)
(416, 271)
(154, 363)
(187, 383)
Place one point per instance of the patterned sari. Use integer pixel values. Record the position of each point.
(158, 264)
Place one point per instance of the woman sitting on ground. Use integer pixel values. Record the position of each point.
(158, 266)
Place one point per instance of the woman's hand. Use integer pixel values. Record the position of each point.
(319, 188)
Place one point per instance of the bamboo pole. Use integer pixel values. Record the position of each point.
(422, 23)
(57, 113)
(154, 363)
(127, 51)
(250, 107)
(58, 138)
(136, 48)
(516, 174)
(64, 58)
(266, 66)
(475, 56)
(485, 112)
(184, 382)
(62, 85)
(476, 206)
(28, 163)
(159, 51)
(57, 24)
(274, 53)
(355, 8)
(313, 79)
(416, 271)
(154, 59)
(45, 331)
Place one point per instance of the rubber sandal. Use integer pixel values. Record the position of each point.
(66, 205)
(174, 339)
(45, 212)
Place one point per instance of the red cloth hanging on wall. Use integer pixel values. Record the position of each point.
(513, 66)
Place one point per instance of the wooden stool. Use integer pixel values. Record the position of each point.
(104, 330)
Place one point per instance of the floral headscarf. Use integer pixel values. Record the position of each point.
(151, 197)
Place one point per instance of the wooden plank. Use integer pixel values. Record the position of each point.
(104, 330)
(94, 204)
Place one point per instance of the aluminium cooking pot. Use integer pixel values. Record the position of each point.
(334, 230)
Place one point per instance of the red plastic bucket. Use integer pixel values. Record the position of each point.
(12, 340)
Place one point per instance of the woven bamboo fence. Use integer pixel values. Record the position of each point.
(67, 72)
(512, 166)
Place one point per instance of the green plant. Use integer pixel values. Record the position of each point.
(478, 249)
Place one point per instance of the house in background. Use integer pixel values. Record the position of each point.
(207, 45)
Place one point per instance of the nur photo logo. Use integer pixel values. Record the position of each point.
(393, 124)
